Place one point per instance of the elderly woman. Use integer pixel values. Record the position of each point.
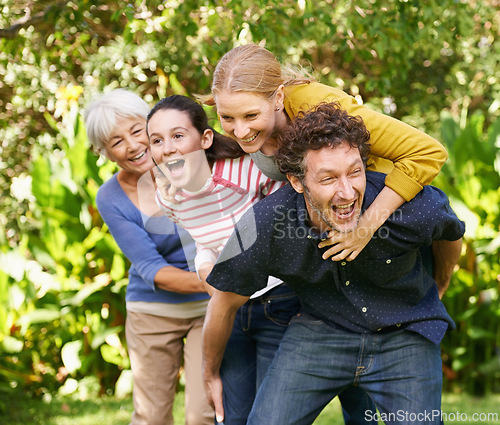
(165, 302)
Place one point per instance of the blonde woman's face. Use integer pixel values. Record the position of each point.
(250, 119)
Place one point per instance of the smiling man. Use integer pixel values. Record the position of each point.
(375, 322)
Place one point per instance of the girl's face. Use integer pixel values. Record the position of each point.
(179, 149)
(128, 146)
(251, 119)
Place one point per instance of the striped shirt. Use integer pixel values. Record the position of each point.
(210, 214)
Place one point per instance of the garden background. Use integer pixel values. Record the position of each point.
(433, 64)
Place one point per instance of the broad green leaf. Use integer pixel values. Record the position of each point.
(124, 384)
(118, 268)
(87, 290)
(41, 315)
(111, 355)
(100, 337)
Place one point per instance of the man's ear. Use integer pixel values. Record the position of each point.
(207, 139)
(296, 183)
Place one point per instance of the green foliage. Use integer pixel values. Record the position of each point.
(471, 178)
(62, 308)
(62, 276)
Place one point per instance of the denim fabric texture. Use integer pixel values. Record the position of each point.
(257, 331)
(400, 370)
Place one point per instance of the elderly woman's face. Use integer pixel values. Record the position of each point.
(128, 146)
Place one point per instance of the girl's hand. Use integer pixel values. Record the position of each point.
(163, 184)
(203, 272)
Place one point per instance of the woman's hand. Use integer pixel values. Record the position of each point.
(203, 273)
(347, 246)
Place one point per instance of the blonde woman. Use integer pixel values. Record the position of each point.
(256, 99)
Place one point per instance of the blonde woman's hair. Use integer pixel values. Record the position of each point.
(102, 114)
(254, 69)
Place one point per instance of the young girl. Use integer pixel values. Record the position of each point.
(216, 182)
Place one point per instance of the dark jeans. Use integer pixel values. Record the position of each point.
(400, 370)
(258, 328)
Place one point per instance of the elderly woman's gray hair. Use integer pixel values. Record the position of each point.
(102, 115)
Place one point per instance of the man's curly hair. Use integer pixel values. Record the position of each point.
(327, 125)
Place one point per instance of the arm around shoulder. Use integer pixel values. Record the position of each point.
(417, 157)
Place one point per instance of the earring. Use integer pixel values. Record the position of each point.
(277, 108)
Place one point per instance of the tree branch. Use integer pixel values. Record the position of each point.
(29, 20)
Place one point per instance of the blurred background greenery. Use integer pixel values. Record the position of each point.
(433, 64)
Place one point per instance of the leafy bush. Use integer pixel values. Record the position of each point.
(471, 178)
(63, 286)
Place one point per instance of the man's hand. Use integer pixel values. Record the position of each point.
(213, 390)
(216, 331)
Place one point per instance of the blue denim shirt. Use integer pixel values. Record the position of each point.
(384, 288)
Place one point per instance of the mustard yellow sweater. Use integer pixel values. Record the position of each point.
(410, 157)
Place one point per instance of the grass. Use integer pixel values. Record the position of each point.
(112, 411)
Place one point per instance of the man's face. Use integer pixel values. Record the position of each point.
(334, 187)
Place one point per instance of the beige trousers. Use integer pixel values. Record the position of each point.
(157, 347)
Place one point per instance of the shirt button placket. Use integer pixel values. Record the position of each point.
(343, 264)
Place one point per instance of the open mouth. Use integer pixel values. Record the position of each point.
(175, 166)
(344, 211)
(251, 139)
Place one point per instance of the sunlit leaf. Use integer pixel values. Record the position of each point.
(41, 315)
(11, 345)
(111, 355)
(70, 354)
